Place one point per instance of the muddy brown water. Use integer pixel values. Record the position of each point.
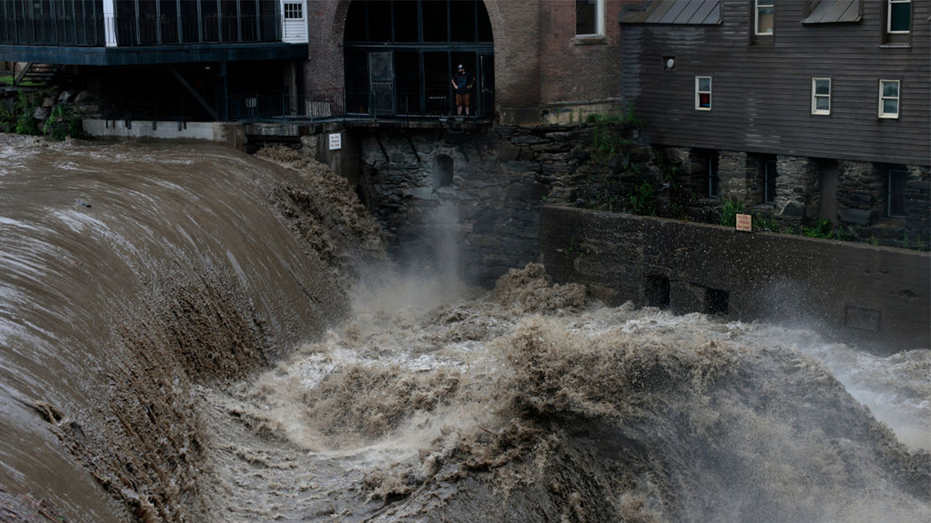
(181, 340)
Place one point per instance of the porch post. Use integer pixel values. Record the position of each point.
(109, 22)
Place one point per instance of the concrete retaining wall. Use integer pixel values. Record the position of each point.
(876, 297)
(230, 133)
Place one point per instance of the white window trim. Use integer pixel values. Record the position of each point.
(698, 106)
(814, 97)
(756, 19)
(897, 98)
(889, 17)
(599, 21)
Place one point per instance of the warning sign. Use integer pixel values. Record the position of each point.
(745, 222)
(336, 141)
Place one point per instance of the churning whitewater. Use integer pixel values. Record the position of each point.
(190, 334)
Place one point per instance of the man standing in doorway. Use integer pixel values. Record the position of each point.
(462, 83)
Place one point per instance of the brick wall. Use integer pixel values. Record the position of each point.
(538, 59)
(578, 69)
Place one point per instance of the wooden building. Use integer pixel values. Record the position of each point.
(805, 110)
(167, 59)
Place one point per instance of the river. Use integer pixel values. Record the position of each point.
(193, 334)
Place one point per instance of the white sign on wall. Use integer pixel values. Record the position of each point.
(336, 141)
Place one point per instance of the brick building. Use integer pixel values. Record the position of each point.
(550, 65)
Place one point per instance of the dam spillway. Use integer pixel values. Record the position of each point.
(181, 340)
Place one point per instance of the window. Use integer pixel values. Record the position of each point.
(764, 17)
(589, 17)
(899, 16)
(293, 11)
(714, 181)
(769, 181)
(820, 96)
(888, 98)
(896, 193)
(703, 93)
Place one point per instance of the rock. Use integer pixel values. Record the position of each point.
(66, 96)
(48, 101)
(507, 152)
(84, 96)
(41, 113)
(855, 216)
(527, 140)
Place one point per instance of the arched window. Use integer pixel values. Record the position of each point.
(400, 56)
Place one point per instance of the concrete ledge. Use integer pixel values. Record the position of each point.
(878, 298)
(228, 133)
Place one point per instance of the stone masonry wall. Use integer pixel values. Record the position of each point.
(488, 215)
(875, 297)
(798, 186)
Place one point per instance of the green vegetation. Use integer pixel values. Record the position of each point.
(62, 123)
(761, 222)
(608, 140)
(643, 201)
(729, 211)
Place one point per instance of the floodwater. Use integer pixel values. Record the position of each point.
(191, 334)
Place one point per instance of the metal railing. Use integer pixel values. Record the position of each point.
(335, 103)
(78, 31)
(140, 30)
(147, 31)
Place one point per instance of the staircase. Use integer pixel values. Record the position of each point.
(36, 74)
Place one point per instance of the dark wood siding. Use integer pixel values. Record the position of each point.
(761, 100)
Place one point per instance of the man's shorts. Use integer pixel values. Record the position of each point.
(463, 99)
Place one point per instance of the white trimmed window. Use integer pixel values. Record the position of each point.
(764, 17)
(293, 11)
(589, 17)
(703, 93)
(899, 16)
(889, 98)
(820, 96)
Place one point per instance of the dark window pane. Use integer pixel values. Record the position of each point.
(405, 21)
(169, 21)
(355, 22)
(713, 179)
(897, 193)
(407, 73)
(585, 17)
(379, 17)
(462, 20)
(437, 77)
(704, 100)
(434, 21)
(357, 81)
(769, 182)
(900, 16)
(210, 21)
(484, 23)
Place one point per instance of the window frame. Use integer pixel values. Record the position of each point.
(711, 173)
(295, 7)
(756, 18)
(699, 92)
(769, 178)
(889, 193)
(815, 96)
(897, 98)
(889, 4)
(599, 21)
